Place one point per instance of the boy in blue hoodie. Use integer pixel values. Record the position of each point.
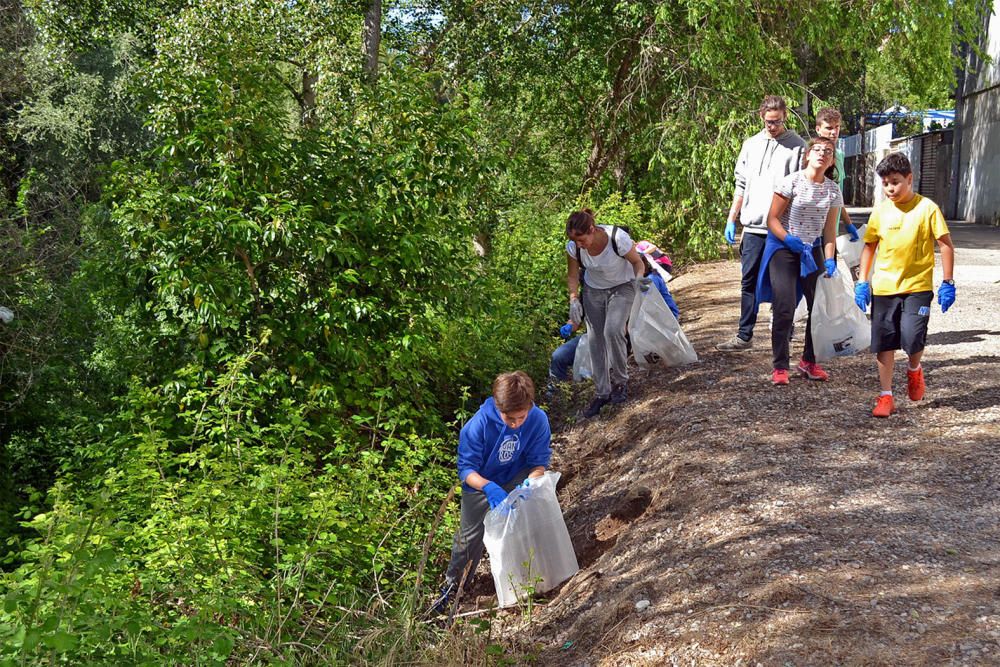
(505, 442)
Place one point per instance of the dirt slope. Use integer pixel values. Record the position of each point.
(785, 525)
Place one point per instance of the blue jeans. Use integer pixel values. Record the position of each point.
(561, 366)
(751, 252)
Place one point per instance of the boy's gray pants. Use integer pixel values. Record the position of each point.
(467, 547)
(607, 314)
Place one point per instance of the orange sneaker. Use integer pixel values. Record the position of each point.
(915, 384)
(813, 371)
(779, 376)
(885, 406)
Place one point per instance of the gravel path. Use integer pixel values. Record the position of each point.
(786, 526)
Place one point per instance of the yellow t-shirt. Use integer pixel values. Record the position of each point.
(905, 233)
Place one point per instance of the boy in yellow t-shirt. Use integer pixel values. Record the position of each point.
(903, 229)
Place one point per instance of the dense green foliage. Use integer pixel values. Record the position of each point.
(250, 308)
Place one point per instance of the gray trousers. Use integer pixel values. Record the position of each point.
(607, 314)
(467, 547)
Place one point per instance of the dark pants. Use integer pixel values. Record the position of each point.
(467, 547)
(751, 252)
(783, 270)
(899, 321)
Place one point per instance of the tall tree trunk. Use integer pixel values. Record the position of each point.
(308, 101)
(371, 38)
(803, 57)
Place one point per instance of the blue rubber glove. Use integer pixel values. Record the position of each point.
(862, 295)
(946, 296)
(566, 331)
(495, 494)
(831, 267)
(731, 232)
(853, 232)
(795, 244)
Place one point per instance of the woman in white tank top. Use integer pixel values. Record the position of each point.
(610, 266)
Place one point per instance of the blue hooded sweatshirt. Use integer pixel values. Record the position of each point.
(489, 447)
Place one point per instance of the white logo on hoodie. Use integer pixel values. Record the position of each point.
(508, 448)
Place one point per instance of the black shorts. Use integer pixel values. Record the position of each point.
(899, 321)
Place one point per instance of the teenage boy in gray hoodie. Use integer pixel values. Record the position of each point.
(764, 159)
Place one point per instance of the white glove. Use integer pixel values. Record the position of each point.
(575, 311)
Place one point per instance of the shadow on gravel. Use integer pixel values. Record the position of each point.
(975, 400)
(967, 361)
(959, 337)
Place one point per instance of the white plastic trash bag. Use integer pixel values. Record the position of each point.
(529, 546)
(656, 336)
(581, 362)
(850, 251)
(839, 328)
(801, 312)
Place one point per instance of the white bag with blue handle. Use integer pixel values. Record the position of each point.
(529, 546)
(839, 328)
(850, 251)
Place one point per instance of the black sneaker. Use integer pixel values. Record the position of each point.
(619, 393)
(440, 604)
(595, 406)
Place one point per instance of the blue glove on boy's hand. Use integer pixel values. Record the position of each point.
(946, 296)
(565, 331)
(731, 233)
(495, 494)
(853, 232)
(862, 295)
(795, 244)
(831, 267)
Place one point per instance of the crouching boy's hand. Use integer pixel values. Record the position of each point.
(494, 494)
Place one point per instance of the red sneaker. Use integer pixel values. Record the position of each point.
(915, 386)
(779, 376)
(885, 406)
(813, 371)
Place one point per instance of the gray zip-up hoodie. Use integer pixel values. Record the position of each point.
(763, 161)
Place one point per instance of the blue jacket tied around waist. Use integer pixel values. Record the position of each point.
(772, 245)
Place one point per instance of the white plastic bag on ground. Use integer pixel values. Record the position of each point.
(657, 338)
(528, 543)
(850, 251)
(581, 362)
(839, 328)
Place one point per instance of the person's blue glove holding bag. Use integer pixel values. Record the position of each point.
(494, 494)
